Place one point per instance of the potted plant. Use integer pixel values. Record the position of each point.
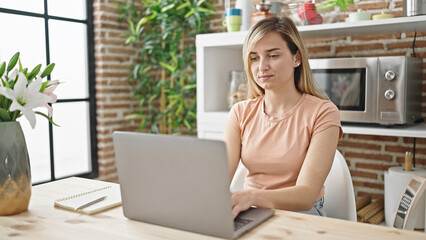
(164, 75)
(330, 8)
(20, 92)
(331, 4)
(313, 12)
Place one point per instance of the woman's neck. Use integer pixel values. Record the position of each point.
(277, 104)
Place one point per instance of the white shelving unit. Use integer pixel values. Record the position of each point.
(220, 53)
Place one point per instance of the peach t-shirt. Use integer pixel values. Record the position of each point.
(273, 149)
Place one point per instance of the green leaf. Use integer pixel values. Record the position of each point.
(2, 68)
(205, 10)
(172, 103)
(200, 2)
(142, 124)
(175, 61)
(4, 115)
(189, 86)
(141, 22)
(47, 117)
(192, 114)
(169, 68)
(164, 9)
(145, 2)
(183, 5)
(146, 69)
(25, 71)
(189, 13)
(6, 84)
(187, 124)
(142, 102)
(342, 5)
(15, 114)
(152, 98)
(131, 26)
(34, 72)
(179, 109)
(44, 86)
(130, 39)
(47, 70)
(13, 62)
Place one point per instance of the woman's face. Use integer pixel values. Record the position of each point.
(272, 63)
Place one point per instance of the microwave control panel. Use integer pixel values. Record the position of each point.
(398, 81)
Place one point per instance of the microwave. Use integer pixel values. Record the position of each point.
(380, 90)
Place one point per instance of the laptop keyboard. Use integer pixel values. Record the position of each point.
(241, 222)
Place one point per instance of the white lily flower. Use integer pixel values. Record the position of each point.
(49, 92)
(25, 99)
(2, 90)
(13, 74)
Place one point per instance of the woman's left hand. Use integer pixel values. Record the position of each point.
(241, 201)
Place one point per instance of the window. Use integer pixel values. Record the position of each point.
(60, 32)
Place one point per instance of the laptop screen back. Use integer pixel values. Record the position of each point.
(175, 181)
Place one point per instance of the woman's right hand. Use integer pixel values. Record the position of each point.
(241, 201)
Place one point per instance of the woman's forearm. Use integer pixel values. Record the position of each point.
(296, 198)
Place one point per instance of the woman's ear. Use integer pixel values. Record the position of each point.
(297, 59)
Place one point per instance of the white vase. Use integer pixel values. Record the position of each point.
(246, 7)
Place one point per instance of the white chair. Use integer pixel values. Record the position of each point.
(237, 183)
(339, 198)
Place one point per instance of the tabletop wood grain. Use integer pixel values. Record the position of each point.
(44, 221)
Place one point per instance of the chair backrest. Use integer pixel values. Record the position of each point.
(339, 192)
(237, 183)
(339, 198)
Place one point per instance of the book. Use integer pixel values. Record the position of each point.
(93, 201)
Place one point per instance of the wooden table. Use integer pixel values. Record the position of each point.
(43, 221)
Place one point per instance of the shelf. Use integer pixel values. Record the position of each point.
(221, 39)
(371, 27)
(417, 131)
(340, 29)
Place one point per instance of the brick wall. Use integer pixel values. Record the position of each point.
(113, 61)
(368, 156)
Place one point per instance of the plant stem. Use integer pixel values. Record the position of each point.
(15, 115)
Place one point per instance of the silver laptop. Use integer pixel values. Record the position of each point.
(180, 182)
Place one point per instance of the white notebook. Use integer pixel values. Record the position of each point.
(93, 201)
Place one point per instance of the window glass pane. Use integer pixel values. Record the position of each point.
(35, 6)
(33, 52)
(71, 141)
(25, 35)
(68, 50)
(37, 140)
(75, 9)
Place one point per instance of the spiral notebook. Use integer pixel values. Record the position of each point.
(93, 201)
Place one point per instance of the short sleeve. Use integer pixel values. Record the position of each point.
(234, 117)
(327, 116)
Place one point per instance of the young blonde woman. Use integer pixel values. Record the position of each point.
(286, 133)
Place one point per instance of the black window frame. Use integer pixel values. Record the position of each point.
(91, 99)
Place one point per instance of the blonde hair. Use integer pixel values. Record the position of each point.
(303, 79)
